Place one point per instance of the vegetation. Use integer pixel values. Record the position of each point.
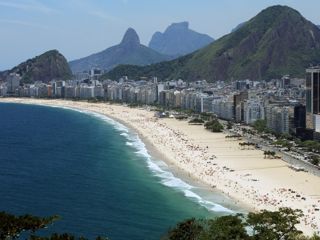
(235, 136)
(181, 117)
(248, 131)
(269, 154)
(229, 125)
(312, 146)
(196, 121)
(162, 70)
(264, 225)
(49, 65)
(11, 227)
(315, 160)
(246, 144)
(189, 229)
(283, 143)
(206, 116)
(260, 126)
(214, 126)
(244, 53)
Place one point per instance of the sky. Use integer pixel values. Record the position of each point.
(78, 28)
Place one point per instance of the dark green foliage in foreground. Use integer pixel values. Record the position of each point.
(275, 225)
(214, 126)
(64, 236)
(264, 225)
(189, 229)
(225, 228)
(11, 227)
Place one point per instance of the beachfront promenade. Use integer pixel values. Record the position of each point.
(243, 174)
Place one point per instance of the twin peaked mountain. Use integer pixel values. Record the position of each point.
(176, 41)
(129, 51)
(277, 41)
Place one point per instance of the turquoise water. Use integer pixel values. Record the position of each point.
(92, 172)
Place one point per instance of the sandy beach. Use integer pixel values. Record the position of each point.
(242, 174)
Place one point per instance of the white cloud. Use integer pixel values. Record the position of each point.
(104, 16)
(23, 23)
(27, 5)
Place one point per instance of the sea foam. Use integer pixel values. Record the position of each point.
(167, 178)
(157, 167)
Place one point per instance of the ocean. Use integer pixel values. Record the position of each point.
(93, 172)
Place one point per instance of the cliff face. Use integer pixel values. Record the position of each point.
(46, 67)
(277, 41)
(129, 51)
(178, 40)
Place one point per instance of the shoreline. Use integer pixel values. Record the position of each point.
(225, 201)
(200, 156)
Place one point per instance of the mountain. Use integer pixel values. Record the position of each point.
(179, 40)
(129, 51)
(275, 42)
(46, 67)
(240, 25)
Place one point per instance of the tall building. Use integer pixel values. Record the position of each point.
(13, 82)
(279, 118)
(253, 110)
(238, 100)
(299, 116)
(313, 98)
(285, 81)
(95, 73)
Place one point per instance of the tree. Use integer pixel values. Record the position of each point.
(213, 126)
(196, 121)
(189, 229)
(263, 225)
(312, 146)
(277, 225)
(260, 126)
(225, 228)
(283, 143)
(229, 125)
(315, 160)
(64, 236)
(12, 226)
(269, 154)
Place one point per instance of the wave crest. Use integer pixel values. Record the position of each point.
(158, 168)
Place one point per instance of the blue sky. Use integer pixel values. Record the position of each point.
(78, 28)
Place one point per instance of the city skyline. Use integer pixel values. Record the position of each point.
(80, 28)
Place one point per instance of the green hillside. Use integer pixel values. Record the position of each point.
(46, 67)
(277, 41)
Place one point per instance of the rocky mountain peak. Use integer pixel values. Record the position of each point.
(179, 26)
(178, 40)
(130, 38)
